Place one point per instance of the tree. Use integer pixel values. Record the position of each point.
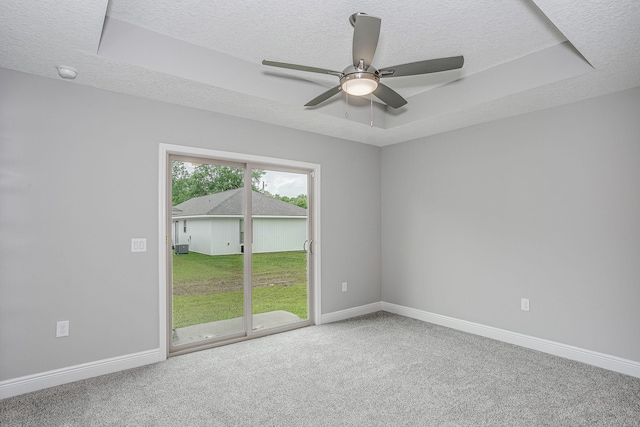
(179, 183)
(300, 200)
(207, 179)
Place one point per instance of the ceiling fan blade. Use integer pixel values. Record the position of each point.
(323, 97)
(301, 68)
(389, 96)
(365, 38)
(423, 67)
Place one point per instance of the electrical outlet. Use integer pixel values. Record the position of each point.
(524, 304)
(62, 328)
(138, 244)
(344, 286)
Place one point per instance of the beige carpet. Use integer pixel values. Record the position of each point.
(377, 370)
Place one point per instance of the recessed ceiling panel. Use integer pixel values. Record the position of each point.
(208, 55)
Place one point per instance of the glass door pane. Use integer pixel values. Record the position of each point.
(279, 284)
(207, 232)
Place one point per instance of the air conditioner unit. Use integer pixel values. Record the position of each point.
(182, 249)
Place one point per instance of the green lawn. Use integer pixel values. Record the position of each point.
(209, 288)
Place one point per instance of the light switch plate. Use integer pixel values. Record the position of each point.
(139, 244)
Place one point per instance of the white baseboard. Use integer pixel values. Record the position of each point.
(350, 312)
(29, 383)
(606, 361)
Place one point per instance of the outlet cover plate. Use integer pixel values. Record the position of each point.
(524, 304)
(62, 328)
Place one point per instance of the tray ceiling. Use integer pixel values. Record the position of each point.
(520, 56)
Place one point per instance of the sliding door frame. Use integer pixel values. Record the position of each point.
(164, 231)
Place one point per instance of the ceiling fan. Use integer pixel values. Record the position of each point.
(362, 78)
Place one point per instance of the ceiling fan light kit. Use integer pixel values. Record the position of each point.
(362, 78)
(359, 82)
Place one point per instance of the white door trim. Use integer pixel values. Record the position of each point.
(167, 149)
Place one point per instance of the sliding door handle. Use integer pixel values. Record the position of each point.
(304, 246)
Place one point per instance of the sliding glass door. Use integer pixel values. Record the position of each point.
(279, 273)
(207, 215)
(239, 251)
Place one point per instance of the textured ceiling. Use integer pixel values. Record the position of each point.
(520, 56)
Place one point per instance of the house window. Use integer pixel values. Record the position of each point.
(184, 226)
(241, 231)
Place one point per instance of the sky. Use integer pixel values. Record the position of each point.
(285, 183)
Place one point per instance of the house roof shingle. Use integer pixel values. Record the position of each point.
(231, 202)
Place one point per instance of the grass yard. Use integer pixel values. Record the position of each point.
(196, 309)
(210, 288)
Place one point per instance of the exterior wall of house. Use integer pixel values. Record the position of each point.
(196, 235)
(279, 234)
(221, 236)
(224, 237)
(178, 235)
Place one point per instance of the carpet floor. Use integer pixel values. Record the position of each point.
(375, 370)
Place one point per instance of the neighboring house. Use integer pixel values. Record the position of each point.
(214, 224)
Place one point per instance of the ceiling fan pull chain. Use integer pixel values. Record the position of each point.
(371, 99)
(346, 111)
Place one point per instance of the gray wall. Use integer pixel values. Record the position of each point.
(79, 179)
(544, 206)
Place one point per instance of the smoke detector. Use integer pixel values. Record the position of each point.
(66, 72)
